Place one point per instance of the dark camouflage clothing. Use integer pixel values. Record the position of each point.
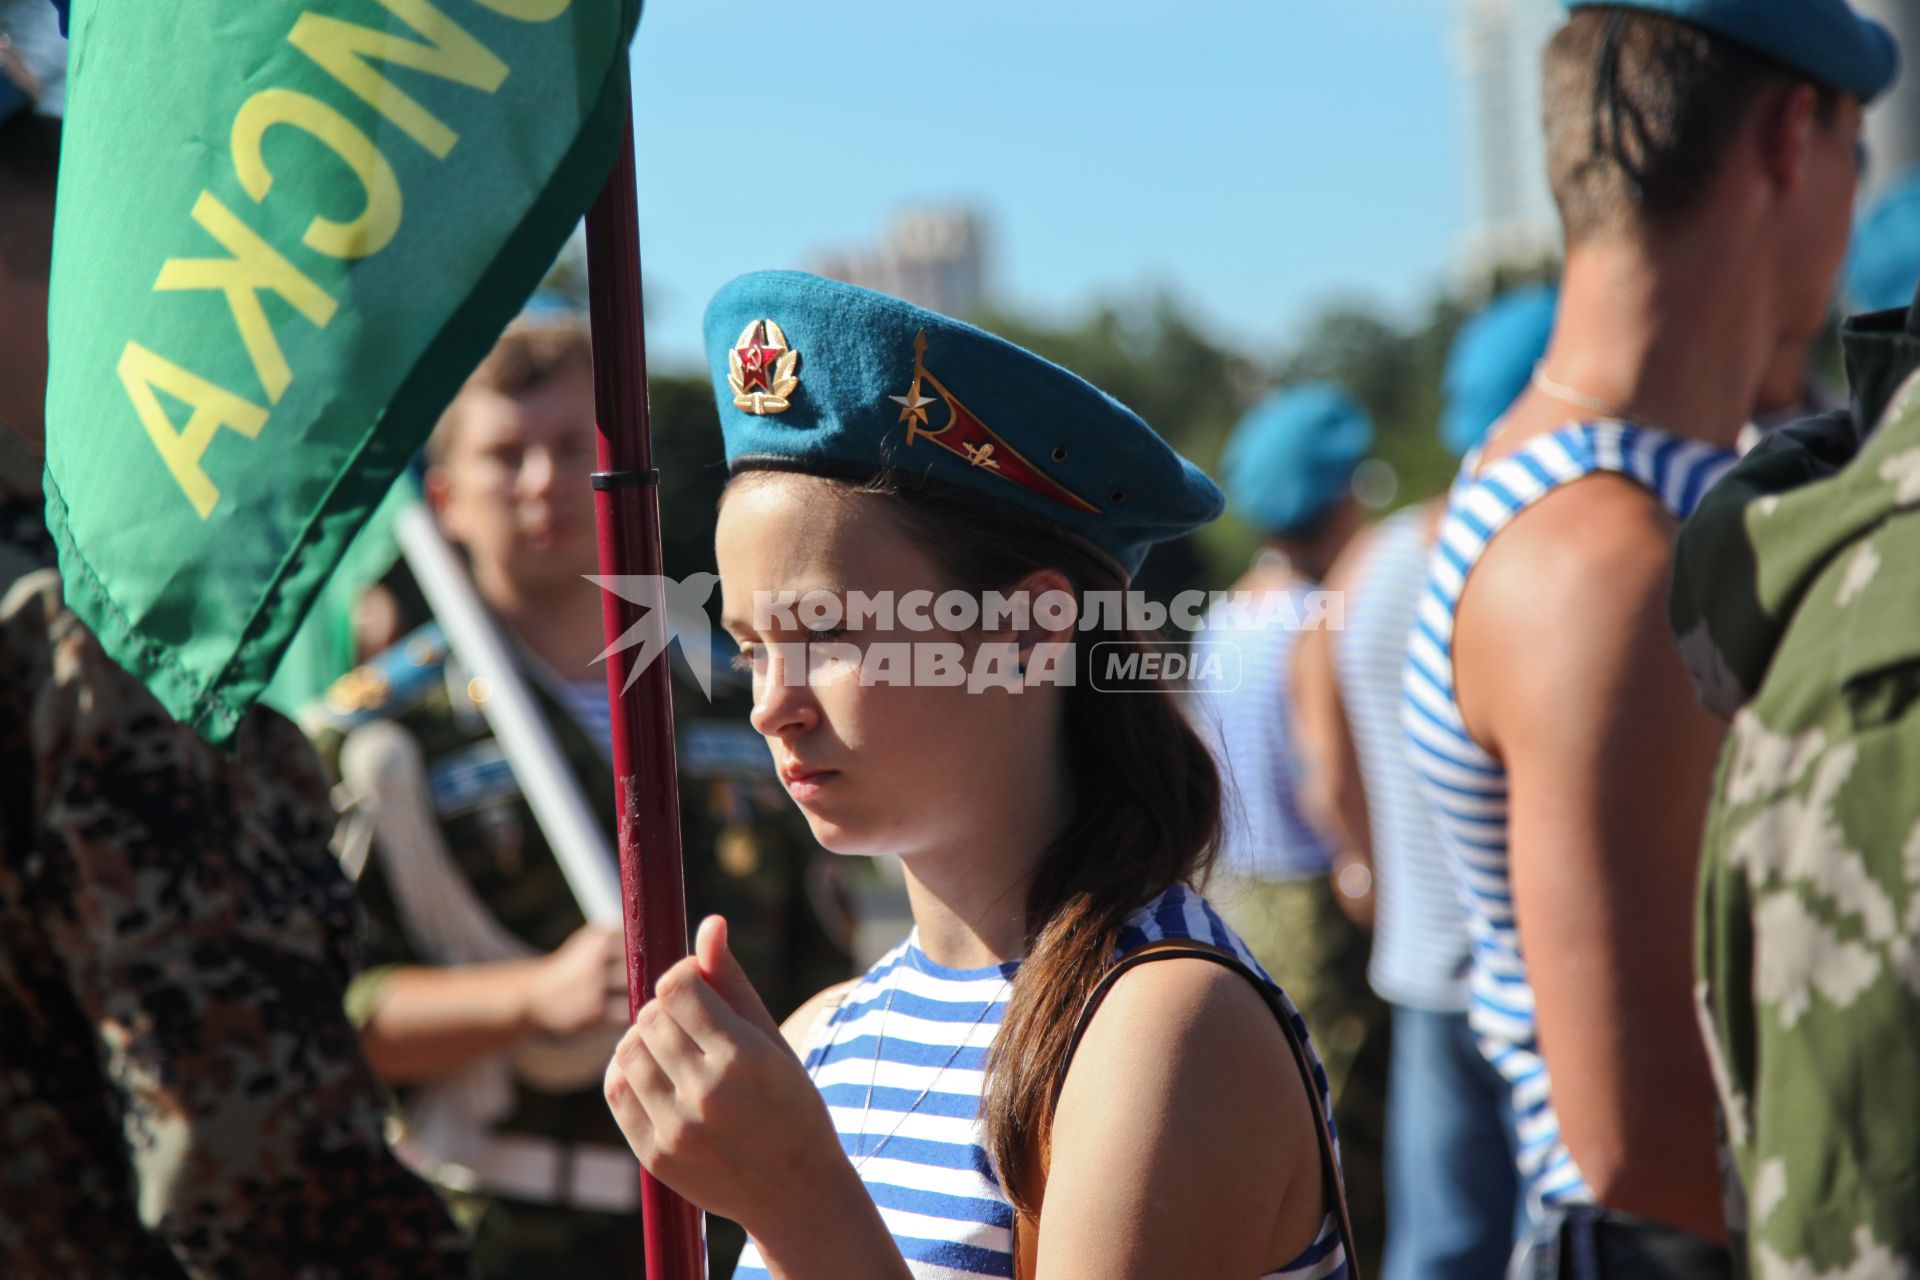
(180, 1094)
(748, 856)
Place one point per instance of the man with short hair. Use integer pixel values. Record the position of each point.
(489, 1001)
(1703, 154)
(180, 1093)
(1453, 1201)
(1300, 902)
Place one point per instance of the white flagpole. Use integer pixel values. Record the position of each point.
(579, 843)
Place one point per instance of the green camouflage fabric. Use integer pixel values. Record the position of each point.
(180, 1094)
(748, 856)
(1795, 581)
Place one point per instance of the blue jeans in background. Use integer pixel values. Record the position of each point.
(1454, 1202)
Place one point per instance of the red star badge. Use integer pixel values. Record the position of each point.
(756, 357)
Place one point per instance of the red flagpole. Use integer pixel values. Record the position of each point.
(626, 506)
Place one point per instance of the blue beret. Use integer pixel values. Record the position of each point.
(1292, 457)
(1883, 267)
(35, 80)
(1491, 362)
(1824, 40)
(821, 377)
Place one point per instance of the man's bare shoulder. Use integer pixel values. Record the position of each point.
(1602, 530)
(1566, 601)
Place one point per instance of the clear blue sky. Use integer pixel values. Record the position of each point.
(1259, 157)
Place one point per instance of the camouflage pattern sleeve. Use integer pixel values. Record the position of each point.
(1809, 930)
(205, 932)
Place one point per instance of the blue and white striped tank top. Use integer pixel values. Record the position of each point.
(1420, 949)
(1264, 833)
(1468, 787)
(924, 1164)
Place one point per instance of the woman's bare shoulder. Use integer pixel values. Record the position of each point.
(1184, 1091)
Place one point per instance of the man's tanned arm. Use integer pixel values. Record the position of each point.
(1610, 759)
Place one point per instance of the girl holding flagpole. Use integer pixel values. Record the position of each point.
(1072, 1067)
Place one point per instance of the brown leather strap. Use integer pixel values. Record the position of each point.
(1184, 949)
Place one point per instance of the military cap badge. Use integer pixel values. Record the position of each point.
(972, 440)
(894, 389)
(762, 370)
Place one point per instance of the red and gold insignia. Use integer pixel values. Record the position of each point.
(762, 370)
(966, 437)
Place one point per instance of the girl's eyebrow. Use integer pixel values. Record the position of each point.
(790, 601)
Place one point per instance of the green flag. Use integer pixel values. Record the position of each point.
(286, 233)
(324, 649)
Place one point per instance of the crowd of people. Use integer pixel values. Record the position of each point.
(1537, 894)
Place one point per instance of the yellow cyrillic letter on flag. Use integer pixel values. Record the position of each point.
(373, 229)
(344, 51)
(254, 266)
(182, 448)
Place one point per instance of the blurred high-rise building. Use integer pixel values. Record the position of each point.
(1514, 222)
(935, 258)
(1893, 125)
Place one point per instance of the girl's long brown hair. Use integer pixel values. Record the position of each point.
(1145, 816)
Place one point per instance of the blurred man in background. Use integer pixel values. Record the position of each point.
(489, 1000)
(1297, 899)
(1453, 1202)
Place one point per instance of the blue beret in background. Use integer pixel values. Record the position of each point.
(33, 71)
(1491, 363)
(1291, 459)
(1883, 266)
(1824, 40)
(826, 378)
(13, 99)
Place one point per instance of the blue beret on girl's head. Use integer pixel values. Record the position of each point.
(816, 376)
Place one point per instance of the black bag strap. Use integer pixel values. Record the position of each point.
(1332, 1188)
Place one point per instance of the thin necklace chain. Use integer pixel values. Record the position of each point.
(880, 1043)
(1581, 400)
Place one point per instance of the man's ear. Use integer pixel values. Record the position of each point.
(439, 496)
(1789, 128)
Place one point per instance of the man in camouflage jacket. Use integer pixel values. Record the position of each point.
(1794, 599)
(180, 1093)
